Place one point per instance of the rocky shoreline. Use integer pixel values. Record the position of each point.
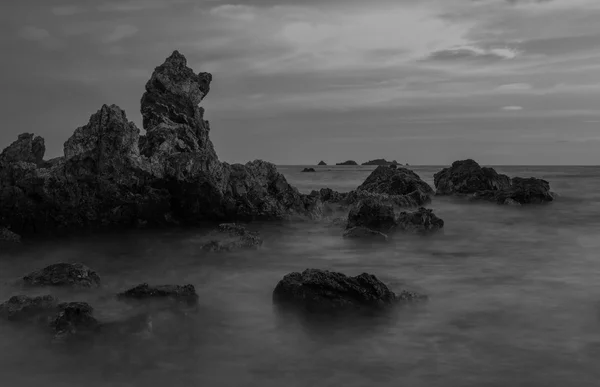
(112, 176)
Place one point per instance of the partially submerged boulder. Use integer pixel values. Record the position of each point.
(308, 170)
(64, 274)
(397, 181)
(479, 183)
(24, 308)
(7, 236)
(232, 236)
(174, 292)
(315, 289)
(74, 318)
(421, 221)
(372, 214)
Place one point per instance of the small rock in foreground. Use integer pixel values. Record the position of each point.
(64, 274)
(315, 289)
(231, 236)
(176, 292)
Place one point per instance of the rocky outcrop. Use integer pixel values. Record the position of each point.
(308, 170)
(315, 289)
(480, 183)
(322, 163)
(74, 318)
(23, 308)
(111, 176)
(231, 236)
(7, 236)
(26, 149)
(422, 221)
(175, 292)
(397, 181)
(380, 162)
(64, 274)
(372, 214)
(349, 162)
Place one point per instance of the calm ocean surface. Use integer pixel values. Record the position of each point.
(514, 301)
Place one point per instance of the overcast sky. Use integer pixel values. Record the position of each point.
(295, 82)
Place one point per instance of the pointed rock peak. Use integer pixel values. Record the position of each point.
(176, 59)
(27, 148)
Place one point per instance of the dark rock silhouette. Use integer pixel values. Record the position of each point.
(372, 214)
(421, 221)
(322, 163)
(74, 318)
(349, 162)
(174, 292)
(308, 170)
(24, 308)
(380, 162)
(469, 178)
(315, 289)
(231, 236)
(64, 274)
(111, 176)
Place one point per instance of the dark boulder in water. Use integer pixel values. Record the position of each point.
(396, 181)
(308, 170)
(315, 289)
(372, 214)
(232, 236)
(175, 292)
(380, 162)
(64, 274)
(349, 162)
(110, 175)
(421, 221)
(469, 178)
(24, 308)
(74, 318)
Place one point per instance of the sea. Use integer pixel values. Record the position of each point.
(514, 300)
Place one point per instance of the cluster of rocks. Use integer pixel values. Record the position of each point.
(110, 175)
(309, 170)
(65, 320)
(468, 178)
(232, 236)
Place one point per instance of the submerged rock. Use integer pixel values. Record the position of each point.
(64, 274)
(349, 162)
(74, 318)
(24, 308)
(110, 175)
(232, 236)
(380, 162)
(364, 233)
(420, 221)
(372, 214)
(308, 170)
(468, 178)
(7, 236)
(176, 292)
(316, 289)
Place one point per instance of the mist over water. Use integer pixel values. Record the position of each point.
(514, 300)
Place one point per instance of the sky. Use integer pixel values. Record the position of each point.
(423, 82)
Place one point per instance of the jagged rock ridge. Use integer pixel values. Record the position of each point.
(111, 175)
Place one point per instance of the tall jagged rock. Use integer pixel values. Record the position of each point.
(110, 175)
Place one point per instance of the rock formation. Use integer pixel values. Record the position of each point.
(469, 178)
(64, 274)
(174, 292)
(110, 175)
(422, 221)
(372, 214)
(349, 162)
(308, 170)
(231, 236)
(315, 289)
(24, 308)
(380, 162)
(7, 236)
(322, 163)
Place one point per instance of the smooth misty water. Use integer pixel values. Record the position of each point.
(515, 301)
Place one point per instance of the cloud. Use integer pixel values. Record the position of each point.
(513, 87)
(34, 33)
(473, 52)
(235, 12)
(121, 32)
(138, 5)
(512, 108)
(68, 10)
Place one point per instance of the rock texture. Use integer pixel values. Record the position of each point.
(469, 178)
(24, 308)
(421, 221)
(315, 289)
(372, 214)
(111, 176)
(349, 162)
(322, 163)
(308, 170)
(175, 292)
(231, 236)
(64, 274)
(380, 162)
(74, 318)
(7, 236)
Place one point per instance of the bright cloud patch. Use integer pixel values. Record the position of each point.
(512, 108)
